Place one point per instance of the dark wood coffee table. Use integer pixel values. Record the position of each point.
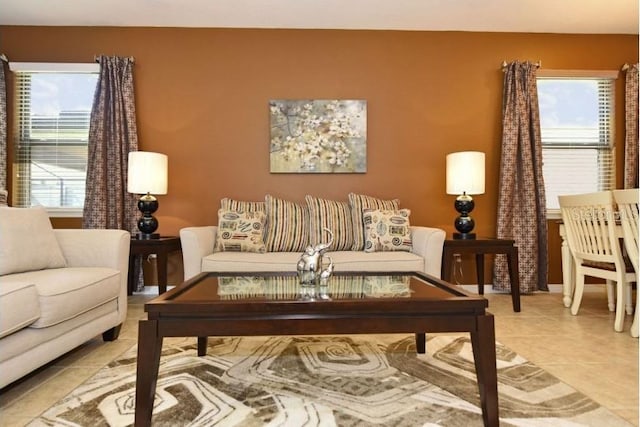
(250, 304)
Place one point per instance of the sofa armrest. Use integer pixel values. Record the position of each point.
(197, 242)
(428, 243)
(99, 248)
(95, 248)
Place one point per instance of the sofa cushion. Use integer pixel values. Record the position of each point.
(287, 261)
(287, 225)
(18, 304)
(241, 205)
(27, 241)
(359, 202)
(334, 216)
(64, 293)
(247, 261)
(376, 261)
(240, 231)
(387, 230)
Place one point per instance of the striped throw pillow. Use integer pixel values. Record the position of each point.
(287, 225)
(241, 206)
(387, 230)
(332, 215)
(360, 202)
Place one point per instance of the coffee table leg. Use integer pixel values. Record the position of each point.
(514, 277)
(202, 346)
(484, 353)
(149, 349)
(421, 343)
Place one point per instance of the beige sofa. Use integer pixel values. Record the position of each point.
(198, 255)
(364, 233)
(53, 304)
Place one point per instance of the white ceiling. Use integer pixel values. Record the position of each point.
(539, 16)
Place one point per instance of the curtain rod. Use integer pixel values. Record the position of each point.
(504, 64)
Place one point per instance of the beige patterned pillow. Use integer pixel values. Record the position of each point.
(287, 225)
(333, 215)
(358, 203)
(240, 231)
(241, 205)
(387, 230)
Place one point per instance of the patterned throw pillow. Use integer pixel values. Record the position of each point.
(333, 215)
(287, 225)
(387, 230)
(358, 203)
(241, 205)
(240, 231)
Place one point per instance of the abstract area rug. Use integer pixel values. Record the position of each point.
(327, 381)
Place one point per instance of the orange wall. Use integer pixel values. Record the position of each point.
(202, 97)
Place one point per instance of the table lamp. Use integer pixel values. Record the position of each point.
(465, 177)
(147, 175)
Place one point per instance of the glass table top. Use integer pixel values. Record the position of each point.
(286, 287)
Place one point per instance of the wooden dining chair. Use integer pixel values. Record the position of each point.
(627, 201)
(590, 223)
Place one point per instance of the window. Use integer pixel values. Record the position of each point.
(576, 121)
(53, 107)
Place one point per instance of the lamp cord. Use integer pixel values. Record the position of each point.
(456, 268)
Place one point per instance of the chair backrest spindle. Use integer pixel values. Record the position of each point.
(627, 201)
(590, 223)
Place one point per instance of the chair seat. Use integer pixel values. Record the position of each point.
(609, 265)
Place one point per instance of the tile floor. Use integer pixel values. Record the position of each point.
(582, 350)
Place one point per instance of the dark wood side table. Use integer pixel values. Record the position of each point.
(481, 246)
(162, 247)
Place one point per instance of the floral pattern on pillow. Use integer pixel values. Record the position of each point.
(386, 230)
(240, 231)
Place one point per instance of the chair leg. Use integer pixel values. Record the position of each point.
(577, 293)
(611, 298)
(618, 324)
(634, 326)
(628, 298)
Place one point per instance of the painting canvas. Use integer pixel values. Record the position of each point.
(318, 136)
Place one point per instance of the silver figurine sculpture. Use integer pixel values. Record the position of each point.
(310, 263)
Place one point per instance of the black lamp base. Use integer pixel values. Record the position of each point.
(147, 223)
(464, 224)
(464, 236)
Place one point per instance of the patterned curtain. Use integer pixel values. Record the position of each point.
(112, 135)
(521, 201)
(3, 127)
(631, 128)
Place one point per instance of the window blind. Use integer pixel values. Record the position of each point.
(576, 121)
(53, 113)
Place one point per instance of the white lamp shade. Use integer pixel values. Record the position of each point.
(465, 172)
(147, 173)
